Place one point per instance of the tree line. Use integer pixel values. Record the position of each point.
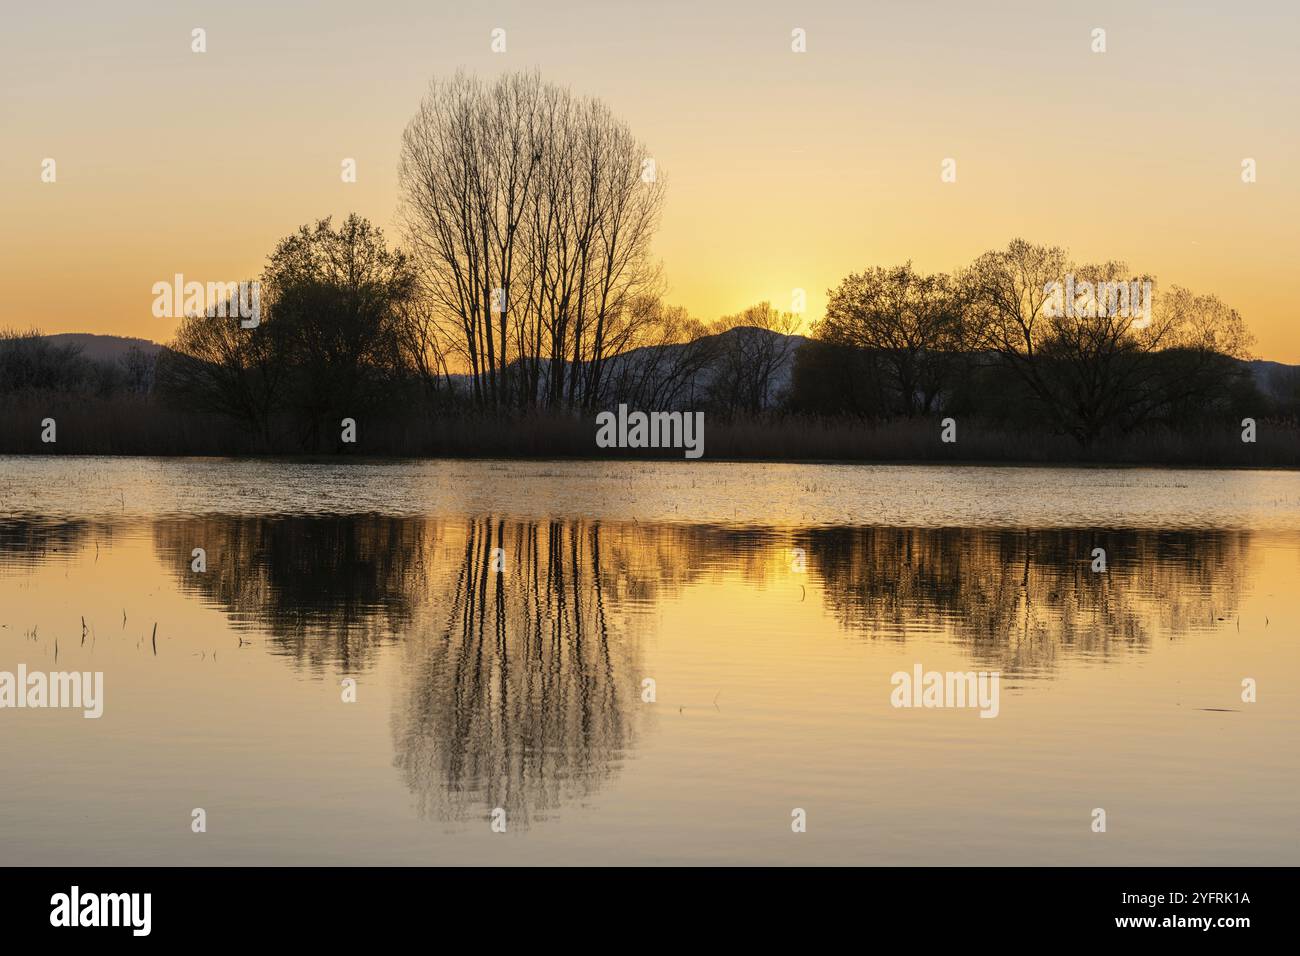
(999, 340)
(31, 362)
(524, 284)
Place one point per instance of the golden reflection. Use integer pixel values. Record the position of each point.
(518, 645)
(1017, 600)
(522, 690)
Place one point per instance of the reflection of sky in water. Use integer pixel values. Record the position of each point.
(522, 689)
(748, 494)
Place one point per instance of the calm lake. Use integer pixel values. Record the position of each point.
(501, 621)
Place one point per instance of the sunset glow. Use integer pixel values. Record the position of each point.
(782, 171)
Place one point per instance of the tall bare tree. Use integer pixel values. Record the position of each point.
(530, 214)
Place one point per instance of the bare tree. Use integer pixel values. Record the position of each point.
(661, 359)
(138, 370)
(423, 349)
(29, 361)
(749, 350)
(1092, 344)
(215, 365)
(1009, 291)
(468, 161)
(530, 217)
(912, 321)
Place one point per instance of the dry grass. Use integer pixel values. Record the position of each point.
(1277, 444)
(116, 426)
(122, 426)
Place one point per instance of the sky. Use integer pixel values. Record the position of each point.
(783, 170)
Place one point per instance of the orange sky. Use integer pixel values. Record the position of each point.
(784, 170)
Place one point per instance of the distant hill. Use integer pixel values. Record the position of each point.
(1274, 379)
(687, 371)
(103, 348)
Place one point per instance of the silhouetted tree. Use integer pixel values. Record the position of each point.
(31, 362)
(137, 367)
(337, 298)
(833, 380)
(1096, 362)
(530, 213)
(329, 342)
(663, 359)
(747, 353)
(213, 364)
(910, 320)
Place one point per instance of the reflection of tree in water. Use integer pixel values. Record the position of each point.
(520, 687)
(525, 689)
(327, 590)
(1017, 599)
(26, 542)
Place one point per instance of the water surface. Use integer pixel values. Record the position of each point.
(770, 604)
